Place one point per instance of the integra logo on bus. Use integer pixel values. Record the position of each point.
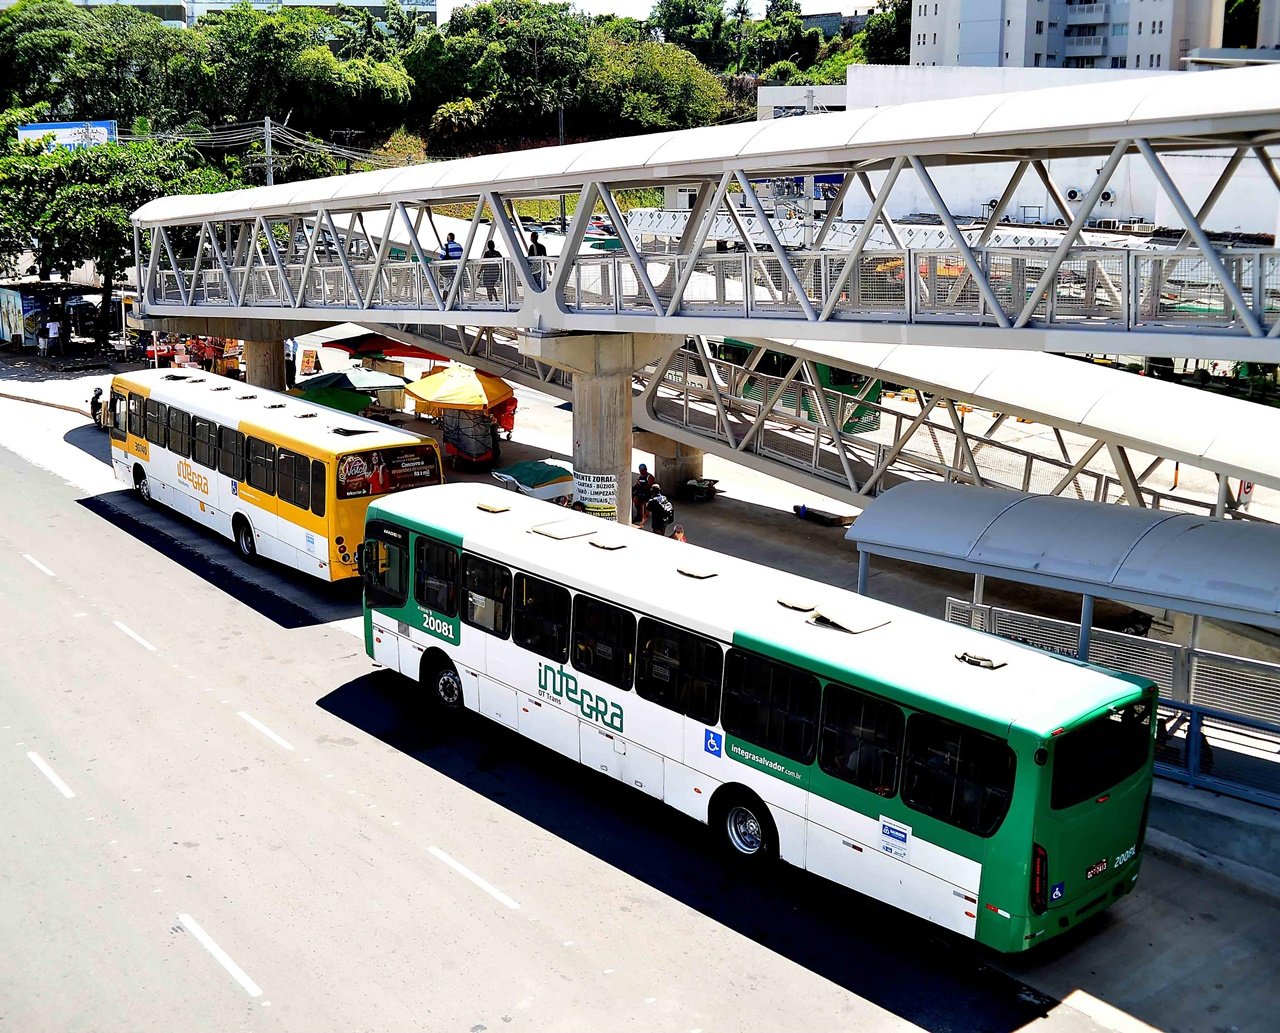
(197, 480)
(555, 684)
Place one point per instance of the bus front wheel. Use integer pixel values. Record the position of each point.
(140, 483)
(244, 539)
(442, 682)
(744, 826)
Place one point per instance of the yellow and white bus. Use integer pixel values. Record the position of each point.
(285, 479)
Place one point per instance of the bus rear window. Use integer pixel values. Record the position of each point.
(379, 471)
(1090, 760)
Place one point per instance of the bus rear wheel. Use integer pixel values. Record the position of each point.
(244, 539)
(745, 828)
(141, 485)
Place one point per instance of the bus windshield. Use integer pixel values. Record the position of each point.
(380, 471)
(1090, 760)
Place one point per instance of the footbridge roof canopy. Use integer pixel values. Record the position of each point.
(1190, 110)
(1191, 564)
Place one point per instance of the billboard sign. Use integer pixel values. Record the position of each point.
(70, 134)
(11, 324)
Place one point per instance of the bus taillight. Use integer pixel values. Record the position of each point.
(1039, 879)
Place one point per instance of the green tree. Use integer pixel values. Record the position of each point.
(37, 40)
(1240, 24)
(741, 15)
(641, 87)
(697, 25)
(887, 37)
(76, 205)
(785, 39)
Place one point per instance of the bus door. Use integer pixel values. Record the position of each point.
(384, 566)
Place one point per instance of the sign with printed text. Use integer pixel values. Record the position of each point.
(895, 839)
(598, 492)
(69, 134)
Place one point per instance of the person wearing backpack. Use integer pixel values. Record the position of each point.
(661, 512)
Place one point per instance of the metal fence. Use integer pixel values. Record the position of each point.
(1219, 714)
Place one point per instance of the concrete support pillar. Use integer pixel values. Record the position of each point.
(602, 365)
(673, 463)
(264, 364)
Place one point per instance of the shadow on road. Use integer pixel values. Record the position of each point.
(91, 441)
(287, 597)
(906, 966)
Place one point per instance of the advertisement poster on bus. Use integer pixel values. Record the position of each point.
(11, 328)
(380, 471)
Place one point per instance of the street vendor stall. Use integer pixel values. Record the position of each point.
(466, 403)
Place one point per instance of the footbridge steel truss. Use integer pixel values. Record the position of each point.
(365, 246)
(941, 423)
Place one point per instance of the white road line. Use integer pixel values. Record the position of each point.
(219, 955)
(466, 873)
(135, 636)
(38, 565)
(284, 743)
(51, 775)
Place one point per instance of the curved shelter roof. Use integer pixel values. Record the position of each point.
(1170, 111)
(1225, 435)
(1191, 564)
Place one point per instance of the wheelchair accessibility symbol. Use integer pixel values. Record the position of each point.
(712, 745)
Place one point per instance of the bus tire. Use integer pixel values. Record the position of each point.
(743, 825)
(242, 530)
(140, 483)
(442, 682)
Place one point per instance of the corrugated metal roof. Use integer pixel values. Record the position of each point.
(1086, 119)
(1191, 564)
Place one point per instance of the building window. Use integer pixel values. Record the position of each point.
(1120, 29)
(1039, 28)
(436, 577)
(1159, 60)
(604, 641)
(540, 618)
(771, 705)
(1037, 61)
(1139, 28)
(488, 588)
(680, 670)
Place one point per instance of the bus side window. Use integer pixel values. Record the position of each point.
(156, 417)
(179, 432)
(136, 403)
(770, 704)
(231, 453)
(262, 465)
(294, 475)
(861, 739)
(436, 573)
(680, 670)
(119, 415)
(317, 487)
(956, 774)
(488, 602)
(204, 442)
(540, 621)
(604, 641)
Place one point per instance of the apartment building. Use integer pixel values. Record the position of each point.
(1063, 33)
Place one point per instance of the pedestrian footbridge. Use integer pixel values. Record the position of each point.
(365, 247)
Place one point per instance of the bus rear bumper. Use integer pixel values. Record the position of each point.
(1024, 932)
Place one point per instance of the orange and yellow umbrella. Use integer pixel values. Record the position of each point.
(460, 387)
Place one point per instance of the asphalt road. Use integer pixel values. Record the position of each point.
(264, 833)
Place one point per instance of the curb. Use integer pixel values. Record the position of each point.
(1244, 877)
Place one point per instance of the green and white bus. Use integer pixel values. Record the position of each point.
(988, 787)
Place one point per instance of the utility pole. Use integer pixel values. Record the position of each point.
(266, 139)
(808, 183)
(564, 225)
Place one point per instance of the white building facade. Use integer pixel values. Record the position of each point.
(1129, 34)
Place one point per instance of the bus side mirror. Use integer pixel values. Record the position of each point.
(360, 559)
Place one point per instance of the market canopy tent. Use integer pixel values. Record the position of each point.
(344, 401)
(460, 387)
(357, 378)
(376, 344)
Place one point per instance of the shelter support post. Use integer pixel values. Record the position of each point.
(979, 583)
(602, 366)
(1086, 626)
(864, 570)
